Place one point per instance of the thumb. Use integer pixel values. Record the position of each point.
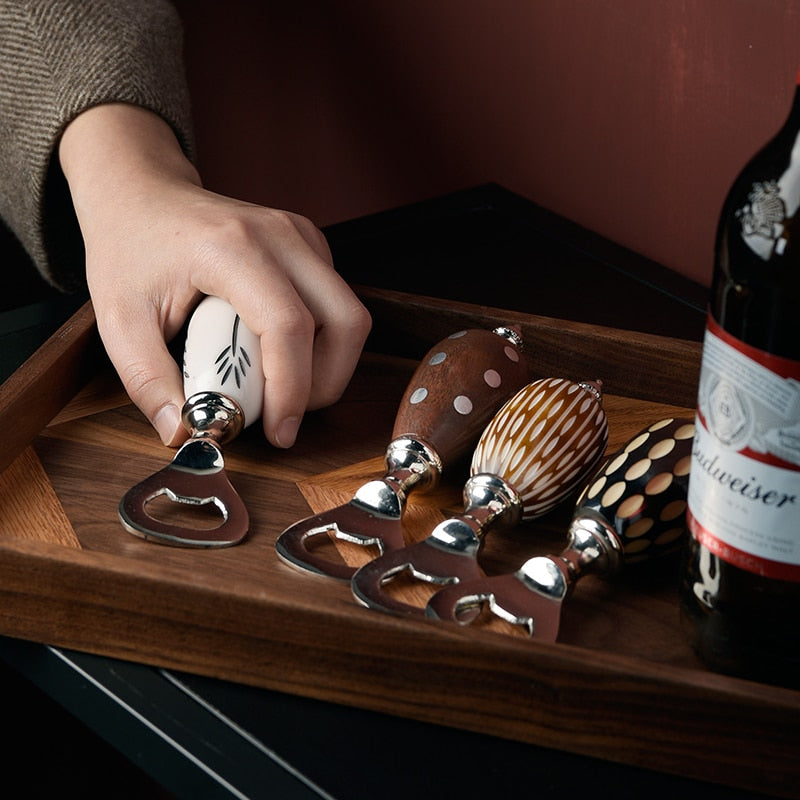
(148, 372)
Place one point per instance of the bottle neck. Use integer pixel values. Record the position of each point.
(794, 111)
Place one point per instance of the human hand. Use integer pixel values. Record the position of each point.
(156, 241)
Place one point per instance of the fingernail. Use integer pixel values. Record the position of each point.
(287, 432)
(167, 422)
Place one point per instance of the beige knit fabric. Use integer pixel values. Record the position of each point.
(58, 58)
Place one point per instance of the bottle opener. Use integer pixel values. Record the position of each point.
(536, 451)
(633, 510)
(454, 392)
(224, 387)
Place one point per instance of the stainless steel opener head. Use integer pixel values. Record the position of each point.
(449, 554)
(431, 561)
(512, 598)
(372, 519)
(196, 477)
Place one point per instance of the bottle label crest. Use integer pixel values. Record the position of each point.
(769, 204)
(762, 219)
(744, 486)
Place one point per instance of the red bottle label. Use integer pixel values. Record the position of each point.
(744, 486)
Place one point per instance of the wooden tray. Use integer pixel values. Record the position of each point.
(621, 684)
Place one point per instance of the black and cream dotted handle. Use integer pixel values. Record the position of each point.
(639, 494)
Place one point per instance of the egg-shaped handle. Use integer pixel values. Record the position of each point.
(458, 387)
(636, 501)
(545, 441)
(223, 356)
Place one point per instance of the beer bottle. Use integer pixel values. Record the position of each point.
(740, 586)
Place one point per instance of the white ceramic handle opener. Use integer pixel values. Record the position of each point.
(224, 385)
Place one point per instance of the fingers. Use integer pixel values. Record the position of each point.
(155, 240)
(342, 324)
(311, 326)
(337, 348)
(287, 340)
(135, 344)
(274, 268)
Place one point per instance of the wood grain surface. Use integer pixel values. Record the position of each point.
(41, 387)
(621, 684)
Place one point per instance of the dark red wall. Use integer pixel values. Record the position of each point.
(630, 117)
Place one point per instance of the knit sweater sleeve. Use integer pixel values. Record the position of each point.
(58, 58)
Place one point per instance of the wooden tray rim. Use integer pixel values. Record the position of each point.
(46, 563)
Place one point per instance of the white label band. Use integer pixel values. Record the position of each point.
(744, 486)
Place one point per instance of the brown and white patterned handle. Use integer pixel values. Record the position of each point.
(545, 441)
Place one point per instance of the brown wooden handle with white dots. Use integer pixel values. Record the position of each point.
(458, 387)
